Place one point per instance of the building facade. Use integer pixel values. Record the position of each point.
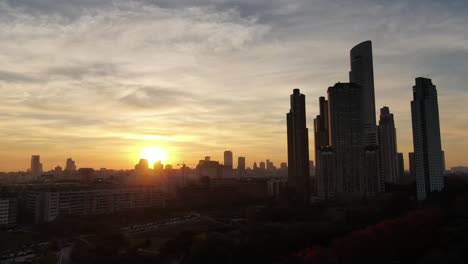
(36, 166)
(362, 74)
(228, 160)
(8, 211)
(344, 101)
(298, 149)
(428, 157)
(388, 146)
(47, 205)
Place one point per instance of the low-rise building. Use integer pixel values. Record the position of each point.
(47, 205)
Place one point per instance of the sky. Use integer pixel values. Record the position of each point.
(99, 81)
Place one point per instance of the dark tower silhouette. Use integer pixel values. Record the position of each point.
(388, 146)
(325, 157)
(362, 74)
(428, 157)
(346, 136)
(298, 149)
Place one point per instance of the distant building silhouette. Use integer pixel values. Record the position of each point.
(241, 164)
(209, 168)
(36, 166)
(58, 171)
(262, 165)
(70, 165)
(428, 157)
(325, 176)
(388, 146)
(158, 169)
(86, 175)
(362, 74)
(228, 160)
(142, 165)
(298, 148)
(371, 171)
(142, 172)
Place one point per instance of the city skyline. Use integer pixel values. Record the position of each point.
(99, 86)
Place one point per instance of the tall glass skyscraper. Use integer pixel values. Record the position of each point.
(362, 74)
(428, 156)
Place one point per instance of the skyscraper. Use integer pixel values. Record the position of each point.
(70, 165)
(362, 74)
(428, 158)
(298, 149)
(346, 136)
(324, 155)
(387, 146)
(228, 158)
(36, 166)
(241, 164)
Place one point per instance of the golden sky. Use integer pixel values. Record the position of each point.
(99, 81)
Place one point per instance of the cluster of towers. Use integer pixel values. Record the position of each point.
(353, 154)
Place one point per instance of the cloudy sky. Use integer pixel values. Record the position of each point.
(99, 80)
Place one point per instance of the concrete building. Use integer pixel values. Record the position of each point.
(371, 171)
(298, 149)
(262, 166)
(47, 205)
(428, 157)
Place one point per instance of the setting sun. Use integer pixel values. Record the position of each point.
(153, 154)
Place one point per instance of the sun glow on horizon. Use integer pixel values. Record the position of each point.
(153, 154)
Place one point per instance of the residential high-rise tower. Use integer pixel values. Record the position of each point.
(428, 157)
(298, 148)
(387, 146)
(362, 74)
(346, 136)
